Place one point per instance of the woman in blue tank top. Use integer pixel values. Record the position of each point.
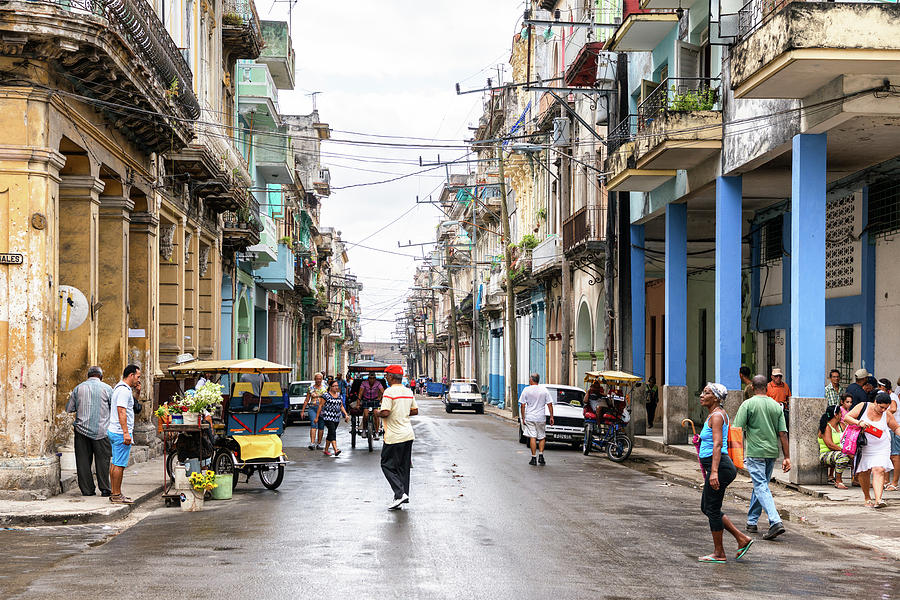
(720, 472)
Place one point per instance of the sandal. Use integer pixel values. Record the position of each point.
(742, 551)
(841, 486)
(709, 558)
(870, 504)
(890, 488)
(880, 504)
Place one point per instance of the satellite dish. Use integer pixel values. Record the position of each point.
(73, 308)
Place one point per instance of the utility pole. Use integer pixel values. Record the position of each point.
(566, 341)
(453, 332)
(510, 293)
(475, 361)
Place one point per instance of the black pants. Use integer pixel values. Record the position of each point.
(711, 501)
(331, 426)
(99, 452)
(651, 411)
(395, 463)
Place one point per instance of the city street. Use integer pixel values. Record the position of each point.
(481, 523)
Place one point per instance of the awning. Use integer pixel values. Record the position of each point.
(368, 365)
(252, 365)
(583, 70)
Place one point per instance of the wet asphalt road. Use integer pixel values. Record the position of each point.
(481, 523)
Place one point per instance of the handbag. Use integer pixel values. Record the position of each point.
(137, 406)
(736, 445)
(852, 438)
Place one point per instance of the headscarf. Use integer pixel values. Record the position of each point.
(718, 390)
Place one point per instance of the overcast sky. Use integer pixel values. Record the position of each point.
(389, 68)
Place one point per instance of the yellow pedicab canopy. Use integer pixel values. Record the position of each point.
(611, 377)
(250, 365)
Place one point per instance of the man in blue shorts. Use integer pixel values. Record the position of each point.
(120, 430)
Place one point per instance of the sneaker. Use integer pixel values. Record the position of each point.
(311, 447)
(541, 459)
(751, 528)
(774, 531)
(375, 437)
(395, 505)
(318, 446)
(533, 461)
(337, 453)
(326, 453)
(405, 499)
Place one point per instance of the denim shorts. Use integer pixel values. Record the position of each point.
(895, 444)
(313, 423)
(120, 451)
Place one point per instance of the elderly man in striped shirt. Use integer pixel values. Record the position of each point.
(90, 401)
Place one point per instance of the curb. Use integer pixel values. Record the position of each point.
(116, 512)
(497, 414)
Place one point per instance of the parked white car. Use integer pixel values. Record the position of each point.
(568, 418)
(297, 395)
(463, 394)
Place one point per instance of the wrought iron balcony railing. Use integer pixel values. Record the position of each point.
(588, 224)
(678, 94)
(622, 133)
(137, 23)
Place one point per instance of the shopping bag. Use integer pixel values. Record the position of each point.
(736, 446)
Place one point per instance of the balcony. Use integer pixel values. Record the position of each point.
(622, 172)
(266, 250)
(585, 230)
(238, 231)
(280, 273)
(642, 32)
(679, 125)
(274, 157)
(241, 32)
(791, 49)
(257, 91)
(547, 255)
(278, 53)
(117, 52)
(322, 183)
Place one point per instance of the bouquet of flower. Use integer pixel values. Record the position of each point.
(208, 396)
(203, 482)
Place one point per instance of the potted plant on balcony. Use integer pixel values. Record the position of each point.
(693, 100)
(232, 19)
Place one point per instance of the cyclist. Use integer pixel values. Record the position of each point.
(370, 392)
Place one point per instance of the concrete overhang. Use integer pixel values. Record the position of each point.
(679, 154)
(808, 44)
(642, 32)
(639, 180)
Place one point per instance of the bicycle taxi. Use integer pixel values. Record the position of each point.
(360, 371)
(606, 413)
(248, 432)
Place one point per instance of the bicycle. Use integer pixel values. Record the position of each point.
(609, 436)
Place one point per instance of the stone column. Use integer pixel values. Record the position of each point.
(79, 230)
(112, 253)
(191, 317)
(808, 313)
(675, 393)
(142, 322)
(29, 297)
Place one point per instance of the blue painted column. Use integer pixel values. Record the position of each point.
(728, 281)
(638, 301)
(227, 320)
(807, 337)
(676, 295)
(867, 291)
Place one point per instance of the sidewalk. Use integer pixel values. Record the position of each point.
(831, 512)
(142, 482)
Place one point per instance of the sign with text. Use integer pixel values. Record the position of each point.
(11, 259)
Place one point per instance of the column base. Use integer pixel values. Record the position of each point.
(733, 402)
(675, 408)
(29, 478)
(803, 444)
(638, 409)
(145, 435)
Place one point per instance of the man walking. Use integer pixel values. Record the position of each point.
(90, 402)
(121, 427)
(531, 413)
(857, 388)
(779, 391)
(763, 422)
(397, 404)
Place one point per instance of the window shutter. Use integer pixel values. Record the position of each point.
(688, 63)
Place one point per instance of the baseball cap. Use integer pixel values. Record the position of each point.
(777, 371)
(861, 374)
(394, 370)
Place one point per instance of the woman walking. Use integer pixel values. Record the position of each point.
(331, 407)
(311, 407)
(875, 457)
(830, 431)
(720, 472)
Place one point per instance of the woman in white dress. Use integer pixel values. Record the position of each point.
(875, 456)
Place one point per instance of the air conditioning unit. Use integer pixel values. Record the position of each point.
(560, 132)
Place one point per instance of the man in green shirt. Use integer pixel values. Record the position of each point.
(762, 420)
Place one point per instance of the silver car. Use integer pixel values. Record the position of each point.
(568, 418)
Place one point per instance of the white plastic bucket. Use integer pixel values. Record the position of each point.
(191, 501)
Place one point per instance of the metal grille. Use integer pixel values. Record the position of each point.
(770, 351)
(772, 246)
(843, 353)
(840, 263)
(884, 207)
